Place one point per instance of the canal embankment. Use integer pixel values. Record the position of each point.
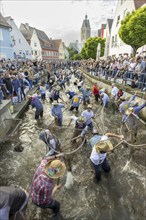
(103, 83)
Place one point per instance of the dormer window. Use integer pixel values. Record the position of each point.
(35, 44)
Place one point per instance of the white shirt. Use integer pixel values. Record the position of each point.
(80, 83)
(97, 158)
(73, 119)
(114, 91)
(86, 114)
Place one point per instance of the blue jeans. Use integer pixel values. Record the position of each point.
(18, 92)
(140, 81)
(104, 165)
(90, 126)
(31, 83)
(59, 121)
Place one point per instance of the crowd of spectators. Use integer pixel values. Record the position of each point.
(126, 70)
(17, 77)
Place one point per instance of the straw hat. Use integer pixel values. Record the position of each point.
(134, 103)
(89, 106)
(122, 98)
(54, 103)
(88, 87)
(129, 111)
(104, 146)
(55, 169)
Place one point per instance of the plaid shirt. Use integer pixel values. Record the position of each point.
(42, 186)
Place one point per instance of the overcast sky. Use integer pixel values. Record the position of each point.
(59, 19)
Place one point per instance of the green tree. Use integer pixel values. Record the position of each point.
(133, 29)
(89, 49)
(72, 52)
(77, 57)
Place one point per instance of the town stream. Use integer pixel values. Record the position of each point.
(119, 196)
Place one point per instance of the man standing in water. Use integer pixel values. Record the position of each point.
(43, 188)
(56, 112)
(36, 103)
(52, 142)
(99, 153)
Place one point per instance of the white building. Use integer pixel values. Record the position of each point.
(31, 36)
(117, 46)
(107, 37)
(21, 48)
(36, 46)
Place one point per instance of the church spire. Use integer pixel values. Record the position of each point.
(85, 29)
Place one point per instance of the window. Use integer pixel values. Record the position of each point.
(32, 52)
(125, 13)
(118, 20)
(35, 52)
(35, 44)
(112, 41)
(116, 39)
(121, 2)
(27, 52)
(19, 41)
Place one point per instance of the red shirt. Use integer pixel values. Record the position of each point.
(119, 94)
(42, 186)
(95, 90)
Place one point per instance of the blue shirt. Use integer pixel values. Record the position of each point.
(42, 90)
(70, 93)
(36, 103)
(105, 99)
(94, 140)
(57, 110)
(16, 84)
(86, 94)
(76, 100)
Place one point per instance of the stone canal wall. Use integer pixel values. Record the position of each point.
(9, 113)
(102, 83)
(5, 114)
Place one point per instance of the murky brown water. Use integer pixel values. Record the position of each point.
(118, 197)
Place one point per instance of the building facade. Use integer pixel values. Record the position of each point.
(61, 48)
(43, 48)
(117, 46)
(6, 50)
(107, 37)
(85, 30)
(21, 48)
(35, 46)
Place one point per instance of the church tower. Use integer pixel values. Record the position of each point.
(85, 30)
